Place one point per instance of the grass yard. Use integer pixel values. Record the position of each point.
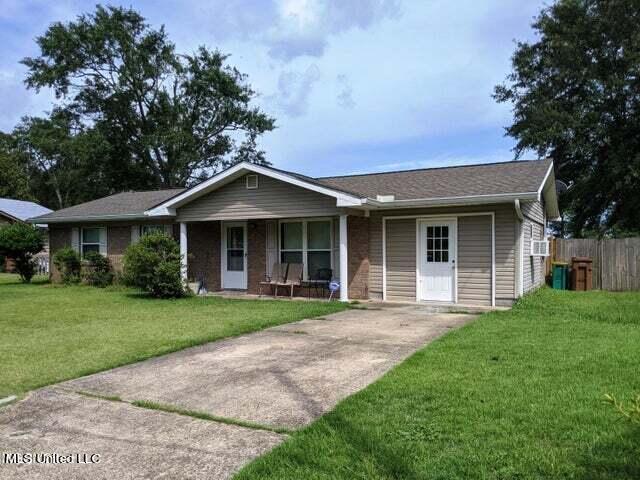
(515, 395)
(51, 333)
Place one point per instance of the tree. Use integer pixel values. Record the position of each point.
(14, 173)
(576, 98)
(171, 118)
(21, 242)
(66, 159)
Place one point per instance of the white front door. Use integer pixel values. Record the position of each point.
(234, 255)
(437, 254)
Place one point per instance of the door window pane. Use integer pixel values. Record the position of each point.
(291, 236)
(291, 257)
(235, 237)
(317, 261)
(319, 235)
(235, 260)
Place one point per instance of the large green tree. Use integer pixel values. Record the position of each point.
(576, 97)
(66, 160)
(168, 118)
(14, 170)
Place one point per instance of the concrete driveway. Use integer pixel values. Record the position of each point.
(279, 379)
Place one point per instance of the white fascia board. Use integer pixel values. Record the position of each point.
(548, 190)
(452, 201)
(169, 207)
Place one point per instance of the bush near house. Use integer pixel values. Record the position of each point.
(21, 242)
(67, 261)
(96, 270)
(153, 264)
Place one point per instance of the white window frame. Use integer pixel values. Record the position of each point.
(102, 247)
(305, 241)
(249, 186)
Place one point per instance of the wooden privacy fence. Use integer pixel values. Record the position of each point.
(616, 261)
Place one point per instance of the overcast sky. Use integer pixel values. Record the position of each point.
(355, 85)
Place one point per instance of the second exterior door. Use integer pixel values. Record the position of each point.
(437, 259)
(234, 255)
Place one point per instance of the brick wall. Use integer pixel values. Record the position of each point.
(257, 254)
(118, 239)
(358, 248)
(59, 237)
(203, 245)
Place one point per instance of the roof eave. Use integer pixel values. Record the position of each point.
(89, 218)
(452, 201)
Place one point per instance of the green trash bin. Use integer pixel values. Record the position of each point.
(560, 275)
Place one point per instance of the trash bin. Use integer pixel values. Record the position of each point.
(560, 275)
(581, 273)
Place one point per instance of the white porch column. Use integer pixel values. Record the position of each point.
(183, 252)
(344, 260)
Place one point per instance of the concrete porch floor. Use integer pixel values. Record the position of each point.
(427, 307)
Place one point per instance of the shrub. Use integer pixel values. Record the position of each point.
(96, 270)
(67, 261)
(153, 264)
(21, 242)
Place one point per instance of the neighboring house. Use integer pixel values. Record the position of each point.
(12, 211)
(456, 234)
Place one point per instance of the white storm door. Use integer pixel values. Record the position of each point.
(234, 255)
(437, 260)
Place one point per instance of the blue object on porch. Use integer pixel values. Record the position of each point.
(333, 287)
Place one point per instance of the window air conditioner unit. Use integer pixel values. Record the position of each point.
(539, 248)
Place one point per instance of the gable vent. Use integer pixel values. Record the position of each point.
(252, 182)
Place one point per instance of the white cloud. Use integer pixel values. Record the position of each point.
(294, 89)
(345, 93)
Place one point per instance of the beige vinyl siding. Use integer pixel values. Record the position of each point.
(505, 254)
(474, 260)
(533, 267)
(375, 257)
(533, 211)
(401, 259)
(506, 243)
(272, 199)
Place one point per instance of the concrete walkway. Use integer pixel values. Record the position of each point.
(279, 379)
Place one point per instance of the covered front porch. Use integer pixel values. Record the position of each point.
(237, 254)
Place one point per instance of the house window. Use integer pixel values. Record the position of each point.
(94, 240)
(147, 229)
(307, 242)
(252, 182)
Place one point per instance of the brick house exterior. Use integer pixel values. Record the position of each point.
(453, 235)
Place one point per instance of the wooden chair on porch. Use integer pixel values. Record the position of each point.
(278, 275)
(294, 277)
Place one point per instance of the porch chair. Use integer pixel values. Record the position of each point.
(294, 277)
(278, 275)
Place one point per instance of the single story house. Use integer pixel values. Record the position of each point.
(12, 211)
(469, 235)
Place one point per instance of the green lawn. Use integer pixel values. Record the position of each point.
(51, 333)
(514, 395)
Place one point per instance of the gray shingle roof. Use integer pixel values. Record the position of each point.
(429, 183)
(445, 182)
(21, 209)
(123, 204)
